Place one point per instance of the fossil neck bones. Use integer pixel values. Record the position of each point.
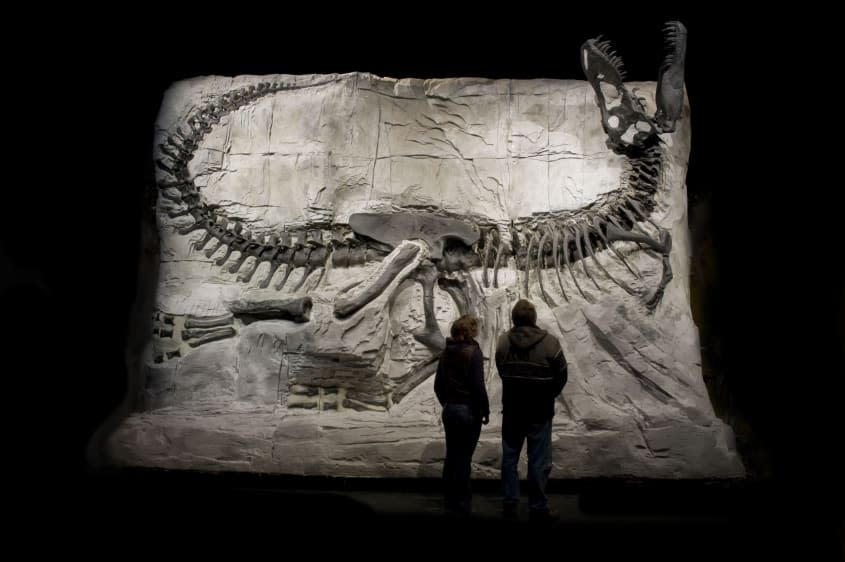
(429, 246)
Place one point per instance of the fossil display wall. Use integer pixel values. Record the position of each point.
(319, 233)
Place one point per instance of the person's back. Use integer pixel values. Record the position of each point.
(460, 377)
(533, 369)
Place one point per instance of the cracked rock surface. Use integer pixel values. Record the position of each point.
(315, 394)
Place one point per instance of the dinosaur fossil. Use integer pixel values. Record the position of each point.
(430, 246)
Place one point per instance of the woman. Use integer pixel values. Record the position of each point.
(459, 386)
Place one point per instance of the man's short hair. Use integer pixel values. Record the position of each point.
(524, 313)
(465, 327)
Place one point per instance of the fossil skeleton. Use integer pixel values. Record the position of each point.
(428, 246)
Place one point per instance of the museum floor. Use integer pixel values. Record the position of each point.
(662, 520)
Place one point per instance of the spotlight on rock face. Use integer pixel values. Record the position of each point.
(318, 235)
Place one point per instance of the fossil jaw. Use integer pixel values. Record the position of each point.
(629, 129)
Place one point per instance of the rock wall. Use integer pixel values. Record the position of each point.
(352, 219)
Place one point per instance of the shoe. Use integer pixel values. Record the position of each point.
(544, 515)
(510, 510)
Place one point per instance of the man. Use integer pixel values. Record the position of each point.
(533, 370)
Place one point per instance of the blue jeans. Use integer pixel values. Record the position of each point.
(539, 435)
(463, 429)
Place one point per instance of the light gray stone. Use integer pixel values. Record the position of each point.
(326, 397)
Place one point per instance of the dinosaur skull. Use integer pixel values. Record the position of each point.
(630, 130)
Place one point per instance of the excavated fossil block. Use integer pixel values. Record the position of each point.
(288, 164)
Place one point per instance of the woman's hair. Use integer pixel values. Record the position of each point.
(465, 327)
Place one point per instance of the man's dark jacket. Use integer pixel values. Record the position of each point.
(533, 370)
(460, 376)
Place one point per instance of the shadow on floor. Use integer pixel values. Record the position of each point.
(656, 518)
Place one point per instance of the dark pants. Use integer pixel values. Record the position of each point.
(463, 429)
(515, 431)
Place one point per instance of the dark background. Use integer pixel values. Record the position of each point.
(764, 196)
